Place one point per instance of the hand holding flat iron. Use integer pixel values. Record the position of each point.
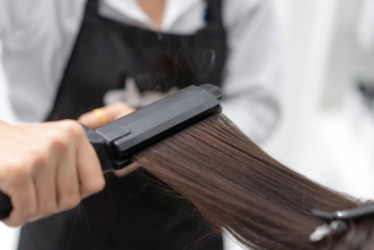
(104, 115)
(46, 168)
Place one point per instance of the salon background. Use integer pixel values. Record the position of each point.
(327, 126)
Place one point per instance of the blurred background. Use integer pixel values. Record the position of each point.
(327, 127)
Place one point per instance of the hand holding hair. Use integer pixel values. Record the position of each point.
(46, 168)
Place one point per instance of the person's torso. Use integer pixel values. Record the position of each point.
(142, 64)
(45, 38)
(134, 212)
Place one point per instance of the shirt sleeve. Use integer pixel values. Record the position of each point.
(3, 17)
(12, 14)
(252, 76)
(18, 15)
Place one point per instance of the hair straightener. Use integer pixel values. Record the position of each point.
(116, 142)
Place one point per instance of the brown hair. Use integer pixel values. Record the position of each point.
(237, 186)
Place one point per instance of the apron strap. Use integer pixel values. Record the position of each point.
(213, 12)
(92, 7)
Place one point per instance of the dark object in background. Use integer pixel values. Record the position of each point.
(366, 90)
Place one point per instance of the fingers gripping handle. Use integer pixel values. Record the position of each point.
(5, 202)
(115, 142)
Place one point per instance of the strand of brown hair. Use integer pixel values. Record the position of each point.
(237, 186)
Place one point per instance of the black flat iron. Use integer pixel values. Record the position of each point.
(116, 142)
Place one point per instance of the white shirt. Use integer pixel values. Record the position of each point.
(38, 36)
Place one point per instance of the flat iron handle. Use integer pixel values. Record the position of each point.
(115, 142)
(101, 150)
(5, 206)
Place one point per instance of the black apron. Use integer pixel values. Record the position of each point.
(133, 212)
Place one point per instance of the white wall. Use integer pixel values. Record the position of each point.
(332, 145)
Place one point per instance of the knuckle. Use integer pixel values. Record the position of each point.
(36, 156)
(17, 165)
(48, 209)
(37, 164)
(70, 197)
(73, 128)
(28, 212)
(59, 144)
(70, 202)
(61, 137)
(92, 187)
(19, 175)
